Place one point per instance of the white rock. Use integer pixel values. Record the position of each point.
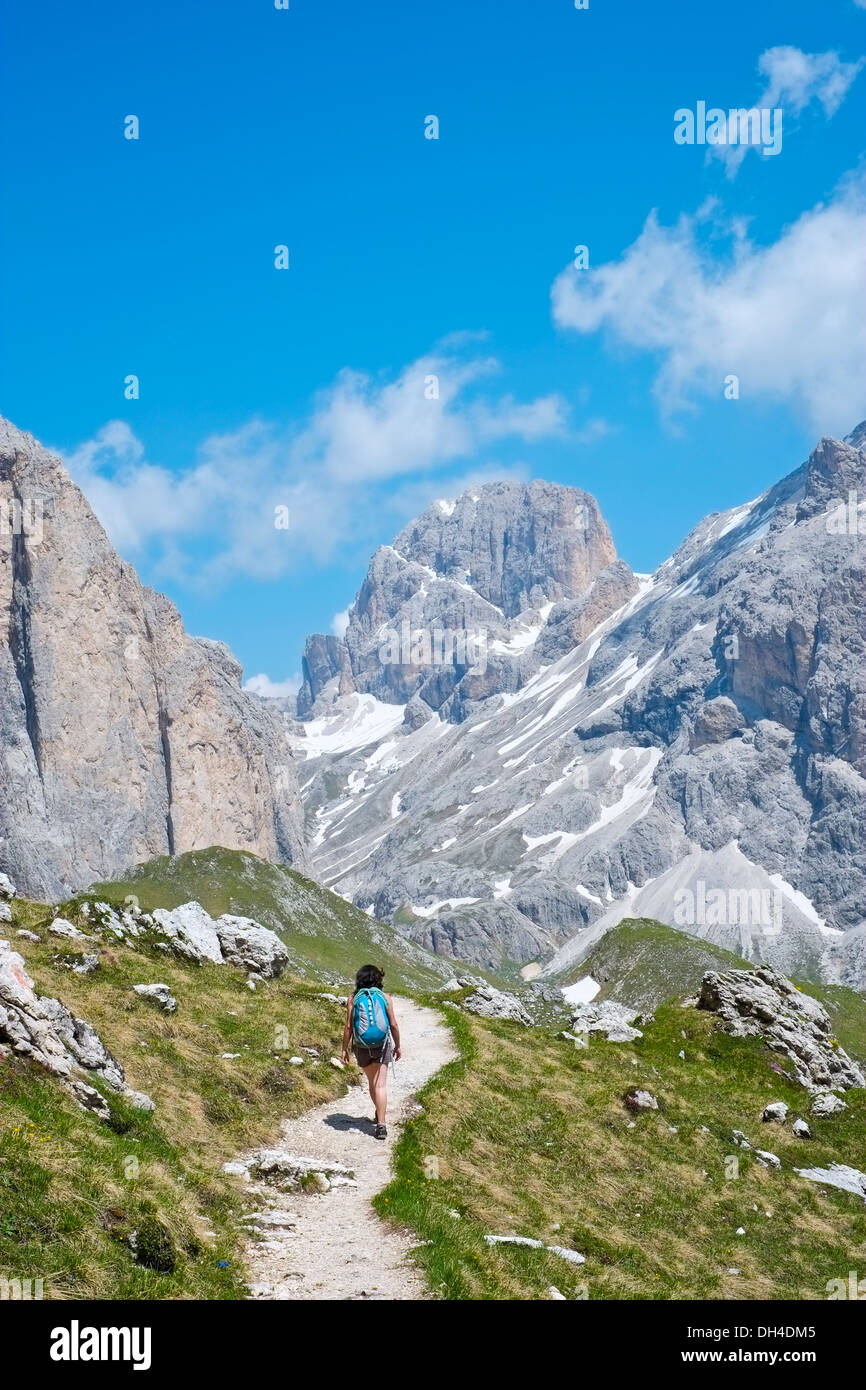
(571, 1255)
(160, 993)
(775, 1113)
(7, 887)
(641, 1100)
(288, 1170)
(335, 1062)
(273, 1220)
(827, 1103)
(488, 1002)
(837, 1175)
(296, 1061)
(801, 1129)
(769, 1160)
(60, 927)
(609, 1017)
(191, 932)
(256, 948)
(27, 935)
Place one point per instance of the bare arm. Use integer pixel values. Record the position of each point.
(347, 1031)
(395, 1027)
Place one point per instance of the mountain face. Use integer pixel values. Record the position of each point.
(121, 737)
(686, 745)
(445, 615)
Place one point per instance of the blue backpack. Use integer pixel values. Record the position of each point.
(370, 1025)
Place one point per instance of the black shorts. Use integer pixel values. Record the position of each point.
(364, 1056)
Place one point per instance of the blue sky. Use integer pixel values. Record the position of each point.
(411, 257)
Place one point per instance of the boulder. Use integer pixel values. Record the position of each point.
(256, 948)
(43, 1029)
(190, 931)
(762, 1003)
(61, 927)
(775, 1113)
(7, 887)
(160, 993)
(488, 1002)
(801, 1129)
(609, 1017)
(827, 1103)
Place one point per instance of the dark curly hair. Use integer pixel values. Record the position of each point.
(369, 977)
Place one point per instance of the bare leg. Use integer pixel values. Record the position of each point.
(377, 1079)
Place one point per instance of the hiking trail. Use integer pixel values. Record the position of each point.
(337, 1247)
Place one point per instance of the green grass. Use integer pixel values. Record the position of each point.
(530, 1136)
(643, 962)
(325, 935)
(73, 1190)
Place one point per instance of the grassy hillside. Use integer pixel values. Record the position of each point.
(325, 935)
(643, 962)
(73, 1190)
(646, 963)
(532, 1137)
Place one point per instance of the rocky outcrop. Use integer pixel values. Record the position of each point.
(195, 935)
(488, 1002)
(251, 946)
(121, 737)
(42, 1029)
(761, 1003)
(608, 1017)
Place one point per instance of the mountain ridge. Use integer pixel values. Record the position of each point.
(718, 706)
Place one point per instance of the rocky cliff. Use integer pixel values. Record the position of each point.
(686, 745)
(446, 614)
(121, 737)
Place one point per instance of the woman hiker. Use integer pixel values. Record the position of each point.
(372, 1028)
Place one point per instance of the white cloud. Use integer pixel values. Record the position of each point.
(787, 318)
(219, 517)
(793, 81)
(272, 690)
(340, 622)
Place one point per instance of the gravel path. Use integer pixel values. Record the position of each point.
(334, 1246)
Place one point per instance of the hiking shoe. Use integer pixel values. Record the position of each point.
(380, 1132)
